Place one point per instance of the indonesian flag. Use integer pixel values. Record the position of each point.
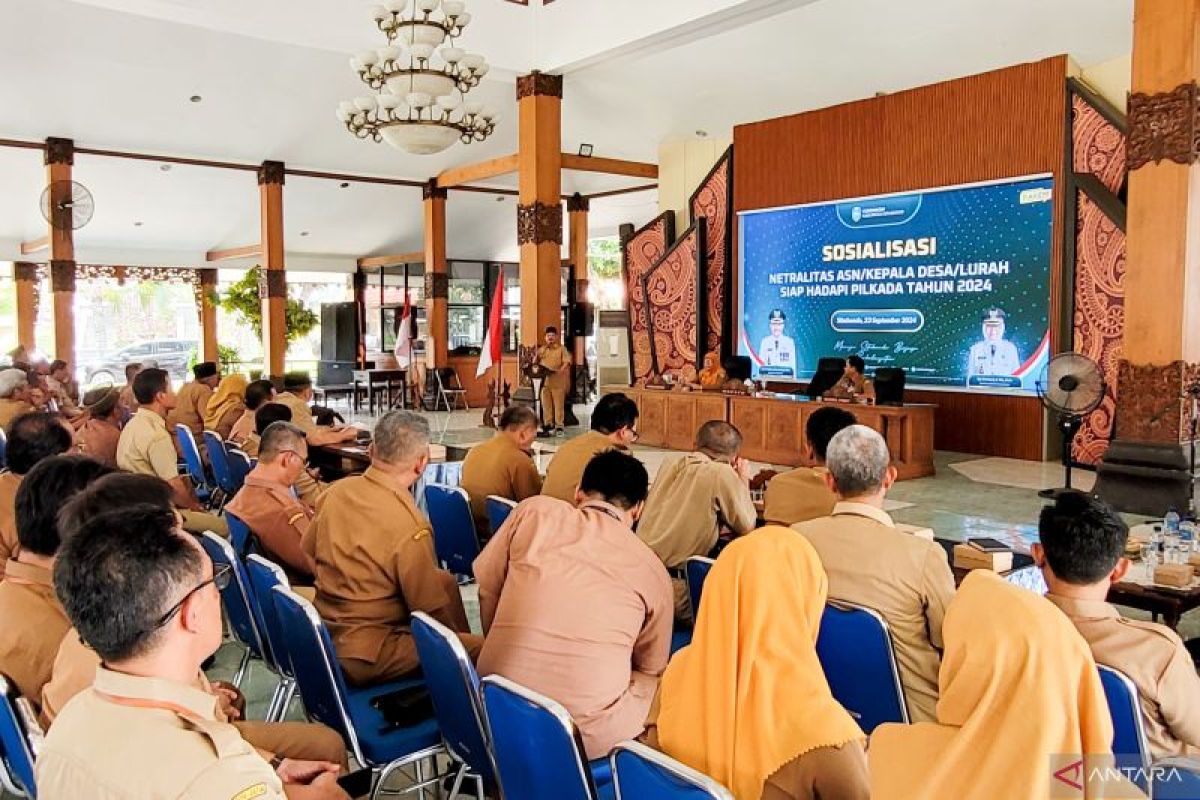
(404, 335)
(491, 341)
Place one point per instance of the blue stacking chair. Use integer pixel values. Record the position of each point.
(537, 748)
(856, 653)
(696, 572)
(3, 449)
(240, 536)
(193, 462)
(19, 730)
(239, 466)
(1176, 778)
(643, 772)
(241, 611)
(218, 457)
(454, 687)
(1130, 745)
(264, 576)
(375, 743)
(454, 536)
(498, 509)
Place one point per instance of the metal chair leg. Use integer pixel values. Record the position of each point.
(243, 669)
(458, 781)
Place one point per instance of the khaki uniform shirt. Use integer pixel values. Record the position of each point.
(302, 416)
(242, 429)
(692, 499)
(34, 624)
(577, 608)
(375, 565)
(9, 483)
(1154, 658)
(146, 447)
(905, 578)
(569, 461)
(11, 409)
(501, 468)
(555, 358)
(98, 439)
(798, 496)
(189, 407)
(127, 400)
(129, 738)
(279, 520)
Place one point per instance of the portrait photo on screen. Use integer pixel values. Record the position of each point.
(950, 284)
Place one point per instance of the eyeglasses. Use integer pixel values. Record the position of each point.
(220, 579)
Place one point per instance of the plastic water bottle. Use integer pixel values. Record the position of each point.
(1187, 536)
(1171, 522)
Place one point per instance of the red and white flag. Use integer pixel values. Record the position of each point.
(404, 335)
(492, 339)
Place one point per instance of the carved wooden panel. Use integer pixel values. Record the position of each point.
(713, 202)
(639, 253)
(674, 292)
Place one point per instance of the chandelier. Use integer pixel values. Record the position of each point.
(419, 103)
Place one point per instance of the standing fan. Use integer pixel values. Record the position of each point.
(1071, 386)
(73, 210)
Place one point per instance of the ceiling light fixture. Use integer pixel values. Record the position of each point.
(164, 167)
(702, 134)
(304, 233)
(586, 150)
(137, 224)
(344, 185)
(419, 104)
(195, 98)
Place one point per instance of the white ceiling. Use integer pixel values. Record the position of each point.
(118, 74)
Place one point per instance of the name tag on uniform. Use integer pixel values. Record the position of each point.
(421, 534)
(257, 790)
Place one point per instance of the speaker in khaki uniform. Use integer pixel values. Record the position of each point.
(557, 361)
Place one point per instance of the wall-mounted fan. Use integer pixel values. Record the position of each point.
(1072, 387)
(67, 205)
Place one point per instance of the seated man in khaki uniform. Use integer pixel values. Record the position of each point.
(1082, 553)
(801, 494)
(145, 597)
(854, 384)
(258, 394)
(34, 622)
(98, 434)
(192, 400)
(76, 663)
(502, 465)
(33, 437)
(266, 503)
(297, 396)
(870, 562)
(14, 396)
(375, 559)
(614, 426)
(146, 447)
(309, 487)
(693, 499)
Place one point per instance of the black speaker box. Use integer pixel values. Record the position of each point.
(889, 386)
(339, 332)
(583, 319)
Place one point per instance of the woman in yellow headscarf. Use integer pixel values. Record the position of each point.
(226, 405)
(747, 702)
(1021, 706)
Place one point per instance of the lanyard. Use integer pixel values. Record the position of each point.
(603, 510)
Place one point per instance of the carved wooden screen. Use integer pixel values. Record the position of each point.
(675, 291)
(639, 253)
(713, 202)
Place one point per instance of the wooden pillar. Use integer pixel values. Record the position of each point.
(1161, 350)
(273, 287)
(208, 314)
(539, 209)
(60, 158)
(360, 316)
(437, 280)
(26, 281)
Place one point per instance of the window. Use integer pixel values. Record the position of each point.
(510, 314)
(466, 305)
(404, 279)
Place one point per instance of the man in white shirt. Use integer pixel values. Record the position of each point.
(994, 355)
(776, 349)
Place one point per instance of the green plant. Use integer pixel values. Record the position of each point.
(228, 357)
(243, 299)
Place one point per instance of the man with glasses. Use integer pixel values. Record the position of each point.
(266, 502)
(614, 427)
(146, 598)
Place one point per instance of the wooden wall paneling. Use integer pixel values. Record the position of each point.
(985, 424)
(652, 417)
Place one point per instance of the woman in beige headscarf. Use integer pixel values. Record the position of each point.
(747, 701)
(1021, 712)
(226, 405)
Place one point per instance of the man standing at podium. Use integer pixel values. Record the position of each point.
(555, 359)
(995, 355)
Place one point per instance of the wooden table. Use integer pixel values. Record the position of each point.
(1167, 603)
(772, 428)
(350, 458)
(386, 380)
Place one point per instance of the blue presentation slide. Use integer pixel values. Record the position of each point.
(951, 284)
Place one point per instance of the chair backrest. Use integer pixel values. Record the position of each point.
(537, 747)
(239, 466)
(643, 772)
(498, 509)
(314, 664)
(219, 458)
(240, 535)
(454, 536)
(18, 729)
(856, 654)
(264, 576)
(447, 378)
(696, 571)
(240, 607)
(454, 688)
(191, 454)
(3, 448)
(1175, 778)
(1130, 746)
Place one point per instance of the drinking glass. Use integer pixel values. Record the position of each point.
(1149, 560)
